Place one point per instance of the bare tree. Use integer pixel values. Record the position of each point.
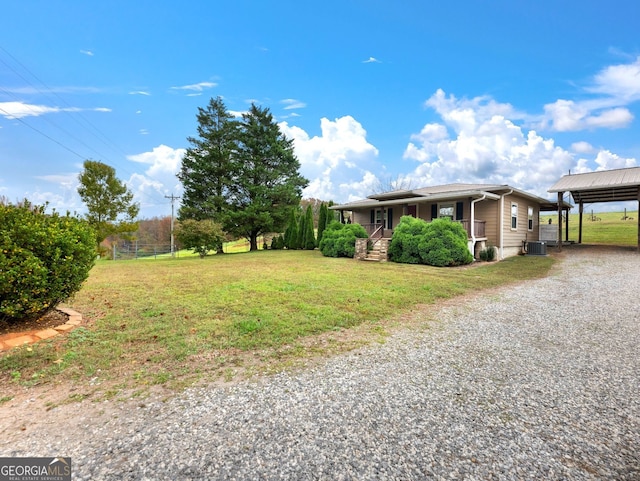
(389, 184)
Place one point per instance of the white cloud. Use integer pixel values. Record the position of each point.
(199, 87)
(87, 52)
(619, 81)
(371, 60)
(18, 110)
(337, 161)
(612, 90)
(162, 160)
(67, 181)
(39, 90)
(567, 115)
(582, 147)
(607, 160)
(292, 104)
(139, 92)
(159, 179)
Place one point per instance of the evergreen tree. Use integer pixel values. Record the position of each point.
(309, 238)
(291, 234)
(322, 221)
(206, 172)
(267, 183)
(301, 231)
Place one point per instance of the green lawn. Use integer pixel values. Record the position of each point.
(175, 321)
(602, 228)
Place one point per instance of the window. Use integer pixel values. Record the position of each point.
(530, 218)
(446, 210)
(514, 216)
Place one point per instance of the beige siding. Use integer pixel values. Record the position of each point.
(515, 237)
(488, 211)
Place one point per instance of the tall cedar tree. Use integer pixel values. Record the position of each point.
(301, 230)
(109, 201)
(267, 183)
(207, 171)
(322, 221)
(309, 238)
(291, 234)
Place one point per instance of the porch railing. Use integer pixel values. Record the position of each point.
(374, 230)
(479, 227)
(377, 231)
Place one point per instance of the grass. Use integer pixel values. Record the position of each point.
(607, 228)
(172, 322)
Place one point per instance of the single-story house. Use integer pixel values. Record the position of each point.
(497, 215)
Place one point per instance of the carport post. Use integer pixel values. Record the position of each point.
(580, 209)
(560, 196)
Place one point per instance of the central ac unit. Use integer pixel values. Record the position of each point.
(536, 248)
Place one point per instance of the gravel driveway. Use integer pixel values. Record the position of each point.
(535, 381)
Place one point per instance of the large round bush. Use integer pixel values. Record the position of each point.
(339, 240)
(405, 243)
(44, 259)
(438, 243)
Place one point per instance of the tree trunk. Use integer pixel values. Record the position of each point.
(253, 242)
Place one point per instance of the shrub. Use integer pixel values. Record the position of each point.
(44, 259)
(277, 242)
(200, 235)
(446, 244)
(488, 254)
(438, 243)
(405, 242)
(339, 240)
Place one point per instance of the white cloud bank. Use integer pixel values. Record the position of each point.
(339, 162)
(478, 141)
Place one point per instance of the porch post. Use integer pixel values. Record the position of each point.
(560, 196)
(566, 226)
(638, 219)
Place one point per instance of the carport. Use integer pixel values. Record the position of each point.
(619, 185)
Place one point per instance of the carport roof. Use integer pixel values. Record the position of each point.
(603, 186)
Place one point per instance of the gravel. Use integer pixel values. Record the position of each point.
(535, 381)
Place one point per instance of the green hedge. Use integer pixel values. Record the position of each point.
(339, 240)
(44, 259)
(438, 243)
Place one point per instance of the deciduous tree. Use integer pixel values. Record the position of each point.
(108, 200)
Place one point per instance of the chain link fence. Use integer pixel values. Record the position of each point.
(125, 250)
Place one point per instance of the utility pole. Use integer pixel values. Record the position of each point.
(173, 199)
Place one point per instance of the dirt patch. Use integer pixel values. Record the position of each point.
(51, 319)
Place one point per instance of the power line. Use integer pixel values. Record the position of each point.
(97, 133)
(7, 114)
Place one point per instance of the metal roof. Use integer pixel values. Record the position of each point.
(602, 186)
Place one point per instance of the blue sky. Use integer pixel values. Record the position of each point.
(498, 91)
